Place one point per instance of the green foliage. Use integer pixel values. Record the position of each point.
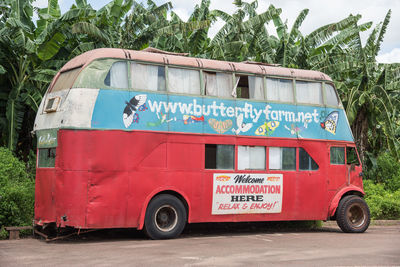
(16, 191)
(386, 171)
(3, 233)
(383, 204)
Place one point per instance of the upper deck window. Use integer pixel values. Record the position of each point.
(66, 79)
(118, 75)
(218, 84)
(331, 96)
(183, 81)
(250, 87)
(147, 77)
(280, 90)
(256, 87)
(309, 92)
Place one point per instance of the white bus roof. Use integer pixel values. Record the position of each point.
(176, 59)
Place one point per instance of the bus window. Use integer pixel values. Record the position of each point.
(183, 81)
(220, 157)
(242, 87)
(218, 84)
(47, 158)
(147, 77)
(282, 158)
(280, 90)
(306, 162)
(337, 155)
(309, 92)
(118, 75)
(331, 97)
(251, 157)
(256, 86)
(351, 156)
(66, 79)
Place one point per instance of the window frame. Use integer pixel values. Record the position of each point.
(39, 156)
(266, 90)
(280, 170)
(234, 167)
(237, 157)
(298, 159)
(344, 155)
(356, 154)
(322, 91)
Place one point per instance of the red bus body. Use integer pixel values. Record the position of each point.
(106, 178)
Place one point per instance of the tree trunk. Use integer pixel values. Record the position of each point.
(360, 131)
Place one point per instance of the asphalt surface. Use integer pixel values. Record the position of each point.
(255, 244)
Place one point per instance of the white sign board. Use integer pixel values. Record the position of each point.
(242, 193)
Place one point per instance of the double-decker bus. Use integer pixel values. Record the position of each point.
(154, 140)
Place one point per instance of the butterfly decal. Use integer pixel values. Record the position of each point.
(131, 107)
(295, 130)
(267, 128)
(192, 119)
(220, 126)
(331, 121)
(241, 126)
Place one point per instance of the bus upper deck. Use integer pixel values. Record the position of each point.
(174, 93)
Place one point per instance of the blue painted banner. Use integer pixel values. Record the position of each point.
(130, 110)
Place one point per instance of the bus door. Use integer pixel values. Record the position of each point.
(337, 171)
(310, 183)
(353, 166)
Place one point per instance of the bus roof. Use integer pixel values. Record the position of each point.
(176, 59)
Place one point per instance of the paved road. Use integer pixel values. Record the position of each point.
(214, 245)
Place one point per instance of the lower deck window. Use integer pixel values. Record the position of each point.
(306, 162)
(219, 157)
(47, 157)
(282, 158)
(251, 158)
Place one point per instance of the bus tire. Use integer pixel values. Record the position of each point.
(353, 214)
(165, 217)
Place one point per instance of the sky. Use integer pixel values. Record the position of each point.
(321, 12)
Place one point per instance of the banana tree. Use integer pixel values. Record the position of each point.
(370, 92)
(235, 40)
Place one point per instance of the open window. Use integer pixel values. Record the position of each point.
(242, 87)
(251, 87)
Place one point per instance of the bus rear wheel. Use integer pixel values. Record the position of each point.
(165, 217)
(353, 214)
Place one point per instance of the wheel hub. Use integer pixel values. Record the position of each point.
(166, 218)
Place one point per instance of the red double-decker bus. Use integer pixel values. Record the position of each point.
(154, 140)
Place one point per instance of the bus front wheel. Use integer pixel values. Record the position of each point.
(353, 215)
(165, 217)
